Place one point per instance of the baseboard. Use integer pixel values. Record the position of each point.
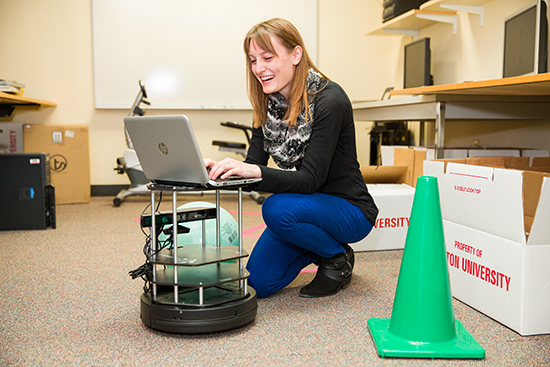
(107, 190)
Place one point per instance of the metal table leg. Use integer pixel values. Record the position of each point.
(439, 130)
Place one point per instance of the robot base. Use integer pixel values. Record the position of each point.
(198, 320)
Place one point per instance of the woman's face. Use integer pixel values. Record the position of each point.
(274, 72)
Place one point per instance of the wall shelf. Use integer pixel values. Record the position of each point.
(19, 99)
(430, 13)
(9, 101)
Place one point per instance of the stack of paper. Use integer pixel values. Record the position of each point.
(11, 86)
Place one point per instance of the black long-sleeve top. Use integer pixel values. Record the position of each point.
(330, 163)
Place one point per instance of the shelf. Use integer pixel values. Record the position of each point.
(448, 4)
(212, 296)
(9, 101)
(19, 99)
(197, 255)
(430, 13)
(204, 276)
(411, 22)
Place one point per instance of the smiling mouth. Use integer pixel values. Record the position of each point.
(267, 78)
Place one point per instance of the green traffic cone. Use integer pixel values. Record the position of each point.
(422, 323)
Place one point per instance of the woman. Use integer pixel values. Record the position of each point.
(304, 122)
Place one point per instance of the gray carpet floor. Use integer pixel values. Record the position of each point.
(67, 300)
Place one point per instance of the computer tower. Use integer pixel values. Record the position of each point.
(26, 195)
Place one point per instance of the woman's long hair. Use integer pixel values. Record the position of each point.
(290, 38)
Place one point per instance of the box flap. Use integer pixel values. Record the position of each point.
(419, 158)
(541, 164)
(485, 198)
(384, 174)
(412, 158)
(502, 162)
(382, 189)
(470, 171)
(540, 230)
(405, 157)
(434, 168)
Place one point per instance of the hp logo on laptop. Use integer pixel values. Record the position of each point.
(163, 148)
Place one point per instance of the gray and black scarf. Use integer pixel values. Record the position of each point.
(287, 144)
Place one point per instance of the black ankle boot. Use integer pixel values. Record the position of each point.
(350, 254)
(332, 275)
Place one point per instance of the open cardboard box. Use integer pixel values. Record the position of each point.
(392, 190)
(394, 203)
(388, 152)
(405, 170)
(496, 213)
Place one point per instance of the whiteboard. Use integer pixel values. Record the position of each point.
(189, 53)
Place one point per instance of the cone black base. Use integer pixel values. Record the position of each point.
(389, 345)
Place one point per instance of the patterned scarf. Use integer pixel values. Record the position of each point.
(287, 144)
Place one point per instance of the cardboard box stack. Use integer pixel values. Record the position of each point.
(69, 158)
(496, 213)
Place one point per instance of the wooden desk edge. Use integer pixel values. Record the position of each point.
(464, 87)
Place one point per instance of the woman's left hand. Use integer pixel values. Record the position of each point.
(228, 167)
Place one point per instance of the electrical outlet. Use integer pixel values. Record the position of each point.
(57, 137)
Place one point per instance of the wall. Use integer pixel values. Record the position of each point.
(48, 46)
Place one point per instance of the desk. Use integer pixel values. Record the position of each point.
(517, 98)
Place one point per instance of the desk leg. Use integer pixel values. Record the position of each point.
(439, 129)
(422, 134)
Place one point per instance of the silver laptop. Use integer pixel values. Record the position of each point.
(169, 154)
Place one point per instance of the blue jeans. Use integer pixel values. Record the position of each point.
(300, 229)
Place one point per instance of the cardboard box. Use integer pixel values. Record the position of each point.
(69, 158)
(394, 203)
(498, 238)
(406, 169)
(11, 137)
(388, 153)
(385, 174)
(390, 187)
(403, 156)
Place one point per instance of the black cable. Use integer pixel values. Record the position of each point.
(146, 269)
(142, 272)
(159, 197)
